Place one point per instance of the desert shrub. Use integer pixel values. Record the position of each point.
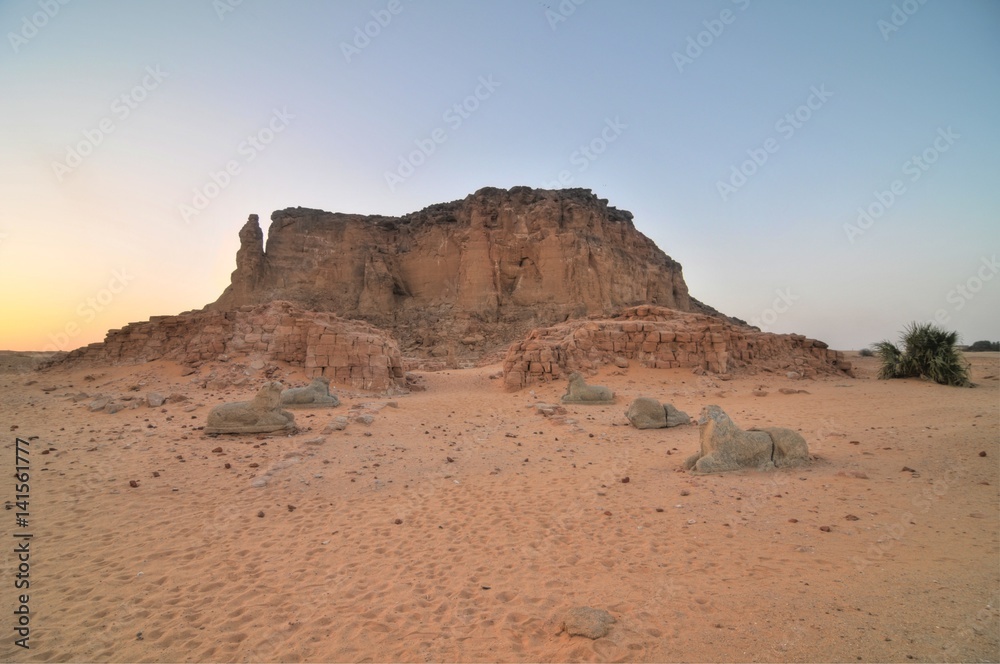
(866, 352)
(928, 351)
(985, 346)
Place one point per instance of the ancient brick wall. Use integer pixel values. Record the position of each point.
(663, 338)
(348, 352)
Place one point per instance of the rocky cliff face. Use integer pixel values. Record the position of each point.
(460, 279)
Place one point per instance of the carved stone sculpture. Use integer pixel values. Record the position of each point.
(315, 395)
(262, 415)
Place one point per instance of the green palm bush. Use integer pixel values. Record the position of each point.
(928, 351)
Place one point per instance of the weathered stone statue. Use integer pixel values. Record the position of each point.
(647, 413)
(579, 392)
(724, 446)
(315, 395)
(262, 415)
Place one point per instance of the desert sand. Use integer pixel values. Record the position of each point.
(461, 524)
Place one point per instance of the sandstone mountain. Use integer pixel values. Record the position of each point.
(460, 280)
(545, 281)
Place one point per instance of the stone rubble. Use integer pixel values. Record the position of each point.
(663, 338)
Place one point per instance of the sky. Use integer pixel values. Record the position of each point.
(823, 167)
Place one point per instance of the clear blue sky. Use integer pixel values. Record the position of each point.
(743, 135)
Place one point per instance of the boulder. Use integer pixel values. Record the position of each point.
(586, 621)
(336, 424)
(261, 415)
(549, 409)
(100, 403)
(646, 413)
(725, 447)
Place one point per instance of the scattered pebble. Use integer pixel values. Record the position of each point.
(625, 480)
(133, 484)
(398, 522)
(825, 529)
(260, 514)
(983, 453)
(851, 517)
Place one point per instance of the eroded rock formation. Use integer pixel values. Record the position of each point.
(663, 338)
(457, 280)
(347, 352)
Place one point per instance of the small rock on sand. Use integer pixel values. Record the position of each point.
(586, 621)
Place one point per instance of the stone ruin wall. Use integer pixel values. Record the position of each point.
(664, 339)
(350, 353)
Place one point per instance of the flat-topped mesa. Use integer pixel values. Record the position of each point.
(459, 280)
